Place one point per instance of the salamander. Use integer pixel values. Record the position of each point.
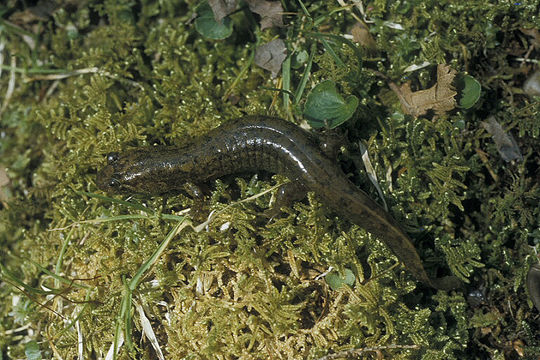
(261, 143)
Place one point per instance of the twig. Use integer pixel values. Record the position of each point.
(358, 352)
(11, 85)
(92, 70)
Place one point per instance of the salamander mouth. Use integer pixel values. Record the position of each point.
(106, 181)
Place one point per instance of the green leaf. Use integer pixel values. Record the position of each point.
(207, 25)
(469, 89)
(325, 107)
(31, 349)
(336, 280)
(299, 59)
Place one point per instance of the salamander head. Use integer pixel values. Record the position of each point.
(112, 178)
(151, 171)
(129, 173)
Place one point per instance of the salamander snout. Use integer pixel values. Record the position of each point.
(106, 179)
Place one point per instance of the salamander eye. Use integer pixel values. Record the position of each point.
(114, 184)
(112, 157)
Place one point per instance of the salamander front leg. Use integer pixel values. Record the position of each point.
(286, 195)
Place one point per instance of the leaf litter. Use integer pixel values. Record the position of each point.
(440, 97)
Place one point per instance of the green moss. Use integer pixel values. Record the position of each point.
(246, 285)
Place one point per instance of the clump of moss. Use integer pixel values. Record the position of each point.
(106, 76)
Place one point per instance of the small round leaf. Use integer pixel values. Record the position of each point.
(336, 280)
(207, 25)
(326, 107)
(32, 351)
(469, 89)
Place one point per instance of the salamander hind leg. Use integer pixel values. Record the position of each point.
(330, 143)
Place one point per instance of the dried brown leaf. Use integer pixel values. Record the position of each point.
(271, 55)
(4, 178)
(439, 97)
(518, 346)
(41, 12)
(531, 86)
(271, 12)
(4, 183)
(505, 142)
(535, 34)
(361, 35)
(222, 8)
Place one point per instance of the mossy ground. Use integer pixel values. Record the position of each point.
(249, 289)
